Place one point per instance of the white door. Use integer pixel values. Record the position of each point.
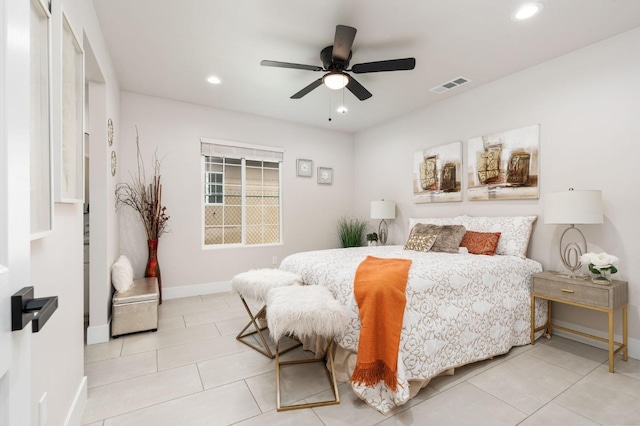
(15, 347)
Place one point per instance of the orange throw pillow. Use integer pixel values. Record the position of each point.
(481, 242)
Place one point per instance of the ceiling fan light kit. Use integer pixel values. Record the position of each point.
(335, 60)
(335, 80)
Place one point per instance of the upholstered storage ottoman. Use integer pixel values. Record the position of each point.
(137, 308)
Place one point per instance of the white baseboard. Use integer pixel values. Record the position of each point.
(98, 333)
(633, 344)
(195, 290)
(74, 416)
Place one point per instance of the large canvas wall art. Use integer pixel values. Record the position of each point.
(437, 174)
(69, 153)
(40, 148)
(504, 166)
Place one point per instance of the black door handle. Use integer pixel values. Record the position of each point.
(25, 308)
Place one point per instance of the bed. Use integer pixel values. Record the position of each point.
(461, 308)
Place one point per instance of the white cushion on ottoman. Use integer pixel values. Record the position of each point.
(304, 311)
(256, 283)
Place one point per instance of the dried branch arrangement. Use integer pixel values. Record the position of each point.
(145, 199)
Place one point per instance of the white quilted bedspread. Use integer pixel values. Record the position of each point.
(461, 308)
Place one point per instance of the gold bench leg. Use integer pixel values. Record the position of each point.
(241, 337)
(331, 375)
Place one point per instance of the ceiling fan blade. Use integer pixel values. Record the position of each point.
(358, 89)
(307, 89)
(266, 63)
(380, 66)
(343, 41)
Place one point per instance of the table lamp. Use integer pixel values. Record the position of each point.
(573, 208)
(383, 210)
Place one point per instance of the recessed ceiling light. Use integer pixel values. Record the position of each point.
(342, 109)
(214, 80)
(527, 11)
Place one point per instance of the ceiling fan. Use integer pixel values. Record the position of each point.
(335, 61)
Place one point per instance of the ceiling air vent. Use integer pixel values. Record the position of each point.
(441, 88)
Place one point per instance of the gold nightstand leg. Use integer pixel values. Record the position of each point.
(625, 352)
(533, 318)
(611, 341)
(548, 319)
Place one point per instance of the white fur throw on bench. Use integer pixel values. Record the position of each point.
(255, 284)
(305, 311)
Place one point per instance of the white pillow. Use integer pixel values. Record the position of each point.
(514, 231)
(122, 274)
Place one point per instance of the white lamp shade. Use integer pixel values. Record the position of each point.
(573, 207)
(335, 80)
(383, 209)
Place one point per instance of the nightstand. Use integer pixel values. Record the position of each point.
(554, 287)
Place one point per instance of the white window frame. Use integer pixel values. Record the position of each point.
(244, 152)
(213, 183)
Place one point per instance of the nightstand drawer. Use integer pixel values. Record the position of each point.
(577, 293)
(584, 292)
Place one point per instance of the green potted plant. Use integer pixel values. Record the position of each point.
(351, 231)
(372, 239)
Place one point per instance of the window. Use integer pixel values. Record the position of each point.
(242, 194)
(213, 181)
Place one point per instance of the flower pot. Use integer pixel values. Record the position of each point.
(602, 278)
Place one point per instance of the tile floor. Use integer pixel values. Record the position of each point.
(193, 372)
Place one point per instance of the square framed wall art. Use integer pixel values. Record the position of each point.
(504, 166)
(325, 175)
(304, 167)
(437, 174)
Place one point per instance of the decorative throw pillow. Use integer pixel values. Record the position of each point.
(515, 231)
(413, 221)
(420, 242)
(449, 236)
(481, 242)
(122, 274)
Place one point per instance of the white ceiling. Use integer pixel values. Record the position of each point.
(167, 48)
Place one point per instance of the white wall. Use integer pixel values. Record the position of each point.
(587, 105)
(57, 260)
(174, 129)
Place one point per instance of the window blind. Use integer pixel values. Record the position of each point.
(220, 148)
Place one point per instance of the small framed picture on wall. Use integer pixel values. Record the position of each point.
(304, 167)
(325, 175)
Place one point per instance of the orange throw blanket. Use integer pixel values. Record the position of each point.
(379, 288)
